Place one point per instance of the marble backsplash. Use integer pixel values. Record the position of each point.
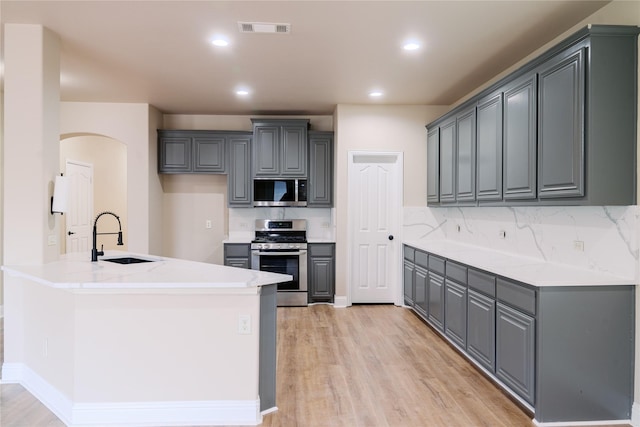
(320, 221)
(597, 238)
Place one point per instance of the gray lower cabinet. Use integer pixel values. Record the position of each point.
(435, 295)
(566, 351)
(433, 166)
(237, 255)
(280, 147)
(420, 280)
(515, 351)
(481, 329)
(321, 272)
(320, 183)
(408, 275)
(267, 362)
(239, 192)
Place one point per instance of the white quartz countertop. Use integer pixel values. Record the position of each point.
(77, 272)
(528, 270)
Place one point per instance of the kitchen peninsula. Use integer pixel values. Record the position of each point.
(167, 342)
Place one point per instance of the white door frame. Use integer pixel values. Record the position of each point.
(397, 200)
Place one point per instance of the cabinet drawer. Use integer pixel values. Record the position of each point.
(408, 252)
(516, 295)
(422, 259)
(482, 282)
(237, 250)
(457, 272)
(321, 249)
(436, 264)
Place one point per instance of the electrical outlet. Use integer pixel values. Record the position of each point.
(207, 224)
(51, 239)
(244, 324)
(578, 245)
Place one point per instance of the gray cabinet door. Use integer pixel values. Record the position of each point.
(237, 255)
(433, 166)
(489, 148)
(481, 329)
(294, 151)
(456, 312)
(174, 154)
(435, 297)
(239, 180)
(561, 86)
(321, 272)
(421, 278)
(266, 150)
(515, 351)
(320, 184)
(466, 156)
(448, 161)
(408, 279)
(519, 132)
(209, 154)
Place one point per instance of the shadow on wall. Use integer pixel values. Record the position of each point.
(100, 165)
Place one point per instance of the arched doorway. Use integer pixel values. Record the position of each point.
(108, 158)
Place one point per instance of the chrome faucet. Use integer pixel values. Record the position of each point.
(94, 251)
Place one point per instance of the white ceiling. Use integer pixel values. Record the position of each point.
(158, 52)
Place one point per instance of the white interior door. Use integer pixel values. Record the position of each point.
(80, 216)
(375, 203)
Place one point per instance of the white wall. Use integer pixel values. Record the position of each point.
(381, 128)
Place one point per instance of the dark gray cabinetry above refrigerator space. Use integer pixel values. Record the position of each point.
(530, 339)
(561, 130)
(280, 147)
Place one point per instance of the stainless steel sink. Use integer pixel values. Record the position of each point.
(127, 260)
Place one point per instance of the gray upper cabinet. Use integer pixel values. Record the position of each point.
(433, 166)
(209, 154)
(519, 148)
(466, 156)
(280, 147)
(489, 148)
(561, 126)
(320, 184)
(448, 161)
(239, 180)
(174, 152)
(561, 130)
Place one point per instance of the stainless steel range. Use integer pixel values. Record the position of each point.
(280, 246)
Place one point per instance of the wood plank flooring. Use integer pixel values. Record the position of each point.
(363, 366)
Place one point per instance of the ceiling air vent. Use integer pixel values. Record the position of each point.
(264, 27)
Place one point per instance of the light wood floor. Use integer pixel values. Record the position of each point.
(369, 366)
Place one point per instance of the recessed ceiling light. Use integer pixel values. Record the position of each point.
(220, 42)
(375, 94)
(411, 46)
(242, 92)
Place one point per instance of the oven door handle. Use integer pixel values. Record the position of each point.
(279, 253)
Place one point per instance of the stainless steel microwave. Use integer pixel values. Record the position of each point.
(279, 192)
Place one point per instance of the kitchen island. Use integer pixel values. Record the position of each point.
(165, 342)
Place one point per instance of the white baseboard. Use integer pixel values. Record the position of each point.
(115, 414)
(581, 423)
(340, 302)
(635, 414)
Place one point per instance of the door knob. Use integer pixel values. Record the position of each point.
(390, 236)
(71, 232)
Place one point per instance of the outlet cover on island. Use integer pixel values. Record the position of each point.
(578, 245)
